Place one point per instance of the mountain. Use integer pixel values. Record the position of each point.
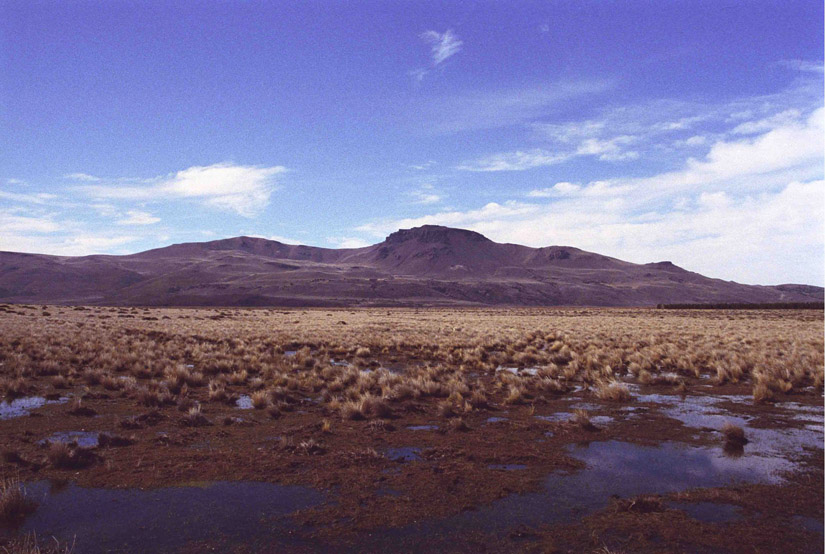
(429, 265)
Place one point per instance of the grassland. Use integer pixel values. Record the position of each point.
(329, 391)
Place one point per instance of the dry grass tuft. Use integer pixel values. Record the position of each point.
(582, 419)
(734, 434)
(762, 393)
(70, 456)
(260, 399)
(14, 503)
(613, 391)
(195, 418)
(458, 424)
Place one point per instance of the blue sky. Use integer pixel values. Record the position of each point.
(689, 131)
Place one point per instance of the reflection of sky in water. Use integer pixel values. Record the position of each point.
(708, 512)
(403, 454)
(244, 402)
(23, 406)
(163, 520)
(85, 439)
(613, 468)
(703, 412)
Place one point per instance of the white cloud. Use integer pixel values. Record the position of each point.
(515, 161)
(348, 242)
(29, 198)
(750, 210)
(278, 238)
(135, 217)
(608, 150)
(82, 177)
(244, 190)
(796, 145)
(768, 123)
(442, 45)
(12, 223)
(559, 189)
(453, 218)
(75, 244)
(425, 194)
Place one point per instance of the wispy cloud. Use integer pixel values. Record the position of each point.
(515, 161)
(30, 198)
(244, 190)
(47, 233)
(135, 217)
(505, 107)
(803, 65)
(442, 45)
(82, 177)
(425, 194)
(652, 130)
(750, 209)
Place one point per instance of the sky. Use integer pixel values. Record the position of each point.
(689, 131)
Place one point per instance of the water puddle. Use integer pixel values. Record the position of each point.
(244, 402)
(84, 439)
(495, 419)
(566, 416)
(804, 412)
(23, 406)
(557, 417)
(704, 412)
(403, 454)
(165, 520)
(708, 512)
(614, 469)
(507, 467)
(585, 406)
(812, 524)
(530, 371)
(422, 427)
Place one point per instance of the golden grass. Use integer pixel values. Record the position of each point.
(452, 361)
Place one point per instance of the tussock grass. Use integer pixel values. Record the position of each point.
(70, 456)
(582, 419)
(734, 434)
(15, 504)
(447, 359)
(196, 418)
(613, 391)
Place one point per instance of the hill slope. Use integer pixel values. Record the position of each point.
(429, 265)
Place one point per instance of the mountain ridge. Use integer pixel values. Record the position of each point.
(427, 265)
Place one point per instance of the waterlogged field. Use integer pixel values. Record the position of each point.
(566, 430)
